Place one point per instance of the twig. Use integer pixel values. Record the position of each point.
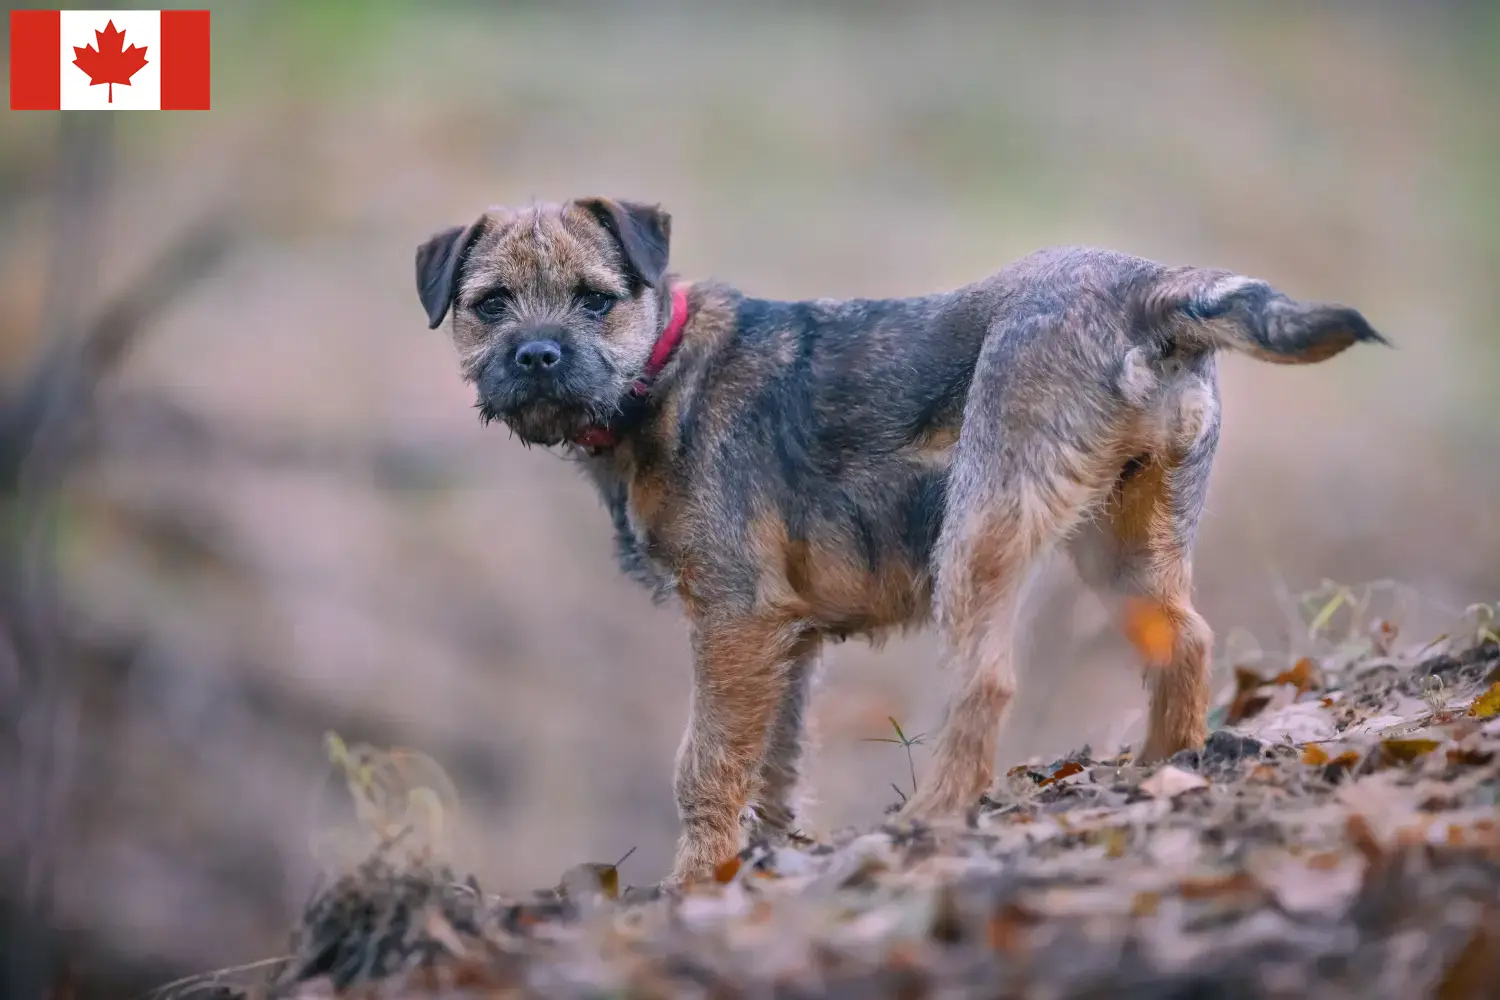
(209, 978)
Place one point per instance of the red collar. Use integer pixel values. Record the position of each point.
(601, 438)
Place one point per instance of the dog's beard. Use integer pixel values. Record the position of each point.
(543, 422)
(548, 419)
(588, 393)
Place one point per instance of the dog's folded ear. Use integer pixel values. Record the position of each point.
(438, 262)
(644, 233)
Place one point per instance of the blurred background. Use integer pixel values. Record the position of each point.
(247, 500)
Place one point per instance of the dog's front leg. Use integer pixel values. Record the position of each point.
(740, 679)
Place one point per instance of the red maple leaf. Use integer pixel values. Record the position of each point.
(110, 63)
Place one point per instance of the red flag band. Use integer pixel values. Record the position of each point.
(116, 60)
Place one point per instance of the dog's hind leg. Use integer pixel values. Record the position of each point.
(1140, 545)
(1030, 464)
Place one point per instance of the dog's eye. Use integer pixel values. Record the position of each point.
(492, 306)
(596, 303)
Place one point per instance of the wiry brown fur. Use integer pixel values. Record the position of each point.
(812, 470)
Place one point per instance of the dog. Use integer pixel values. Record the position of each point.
(797, 472)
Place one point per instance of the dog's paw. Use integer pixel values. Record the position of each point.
(936, 805)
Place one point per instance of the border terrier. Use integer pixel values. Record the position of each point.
(802, 471)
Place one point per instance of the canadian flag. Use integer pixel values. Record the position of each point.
(109, 60)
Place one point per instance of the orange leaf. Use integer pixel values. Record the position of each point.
(1008, 928)
(1070, 768)
(1314, 755)
(1152, 632)
(1345, 760)
(1237, 884)
(1302, 675)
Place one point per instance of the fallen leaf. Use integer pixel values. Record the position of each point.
(1314, 755)
(1470, 755)
(1394, 752)
(1170, 782)
(1115, 840)
(1212, 887)
(1299, 722)
(1343, 762)
(1326, 888)
(1247, 697)
(584, 880)
(1144, 904)
(1302, 676)
(1262, 774)
(1487, 705)
(1008, 928)
(1069, 769)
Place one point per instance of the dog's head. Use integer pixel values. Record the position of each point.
(555, 308)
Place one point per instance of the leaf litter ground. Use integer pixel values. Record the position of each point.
(1339, 836)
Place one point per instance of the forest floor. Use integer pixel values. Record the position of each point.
(1338, 836)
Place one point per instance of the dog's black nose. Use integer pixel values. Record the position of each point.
(538, 355)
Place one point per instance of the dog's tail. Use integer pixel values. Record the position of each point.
(1221, 310)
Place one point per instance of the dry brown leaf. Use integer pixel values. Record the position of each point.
(1487, 705)
(1170, 782)
(1303, 675)
(1393, 752)
(1314, 755)
(1214, 887)
(1069, 769)
(1115, 839)
(1472, 756)
(1145, 904)
(1248, 698)
(1344, 761)
(1008, 928)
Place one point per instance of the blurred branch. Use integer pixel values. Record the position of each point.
(40, 424)
(151, 427)
(44, 417)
